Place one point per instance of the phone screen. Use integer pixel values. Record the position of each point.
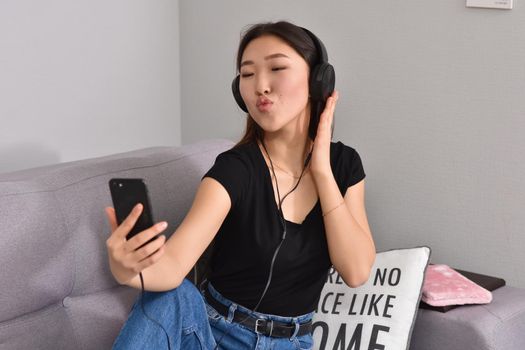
(126, 193)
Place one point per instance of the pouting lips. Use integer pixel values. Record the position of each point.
(263, 101)
(264, 104)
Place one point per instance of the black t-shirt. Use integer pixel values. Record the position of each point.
(251, 232)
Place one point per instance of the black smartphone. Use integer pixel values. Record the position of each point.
(126, 194)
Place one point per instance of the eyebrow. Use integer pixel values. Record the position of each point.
(275, 55)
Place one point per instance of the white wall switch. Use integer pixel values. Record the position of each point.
(496, 4)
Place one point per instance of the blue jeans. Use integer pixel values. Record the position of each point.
(194, 325)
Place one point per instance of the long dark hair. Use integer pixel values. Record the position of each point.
(294, 36)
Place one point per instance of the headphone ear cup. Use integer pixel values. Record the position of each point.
(237, 94)
(322, 82)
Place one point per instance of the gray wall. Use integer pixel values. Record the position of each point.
(432, 95)
(80, 79)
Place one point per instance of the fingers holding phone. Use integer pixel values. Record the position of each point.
(148, 253)
(129, 257)
(135, 242)
(123, 229)
(143, 243)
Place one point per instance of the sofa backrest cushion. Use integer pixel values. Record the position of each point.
(57, 289)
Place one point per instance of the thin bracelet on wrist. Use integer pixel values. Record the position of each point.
(329, 211)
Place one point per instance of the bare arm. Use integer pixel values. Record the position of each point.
(165, 264)
(350, 243)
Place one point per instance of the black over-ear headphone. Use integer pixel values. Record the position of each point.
(322, 78)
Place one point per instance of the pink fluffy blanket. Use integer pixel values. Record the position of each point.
(445, 286)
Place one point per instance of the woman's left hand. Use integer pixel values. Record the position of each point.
(320, 161)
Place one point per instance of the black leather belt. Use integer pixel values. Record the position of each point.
(268, 328)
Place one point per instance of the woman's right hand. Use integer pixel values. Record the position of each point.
(125, 259)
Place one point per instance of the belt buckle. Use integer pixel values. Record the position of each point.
(265, 326)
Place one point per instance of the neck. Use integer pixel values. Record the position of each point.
(289, 155)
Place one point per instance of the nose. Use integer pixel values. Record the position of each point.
(262, 85)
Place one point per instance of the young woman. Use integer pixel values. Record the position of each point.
(271, 257)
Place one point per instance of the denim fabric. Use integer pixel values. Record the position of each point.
(180, 311)
(240, 337)
(194, 325)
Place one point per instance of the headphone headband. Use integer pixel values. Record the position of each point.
(319, 46)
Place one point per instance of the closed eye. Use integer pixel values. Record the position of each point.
(274, 69)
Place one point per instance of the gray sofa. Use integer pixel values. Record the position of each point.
(58, 293)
